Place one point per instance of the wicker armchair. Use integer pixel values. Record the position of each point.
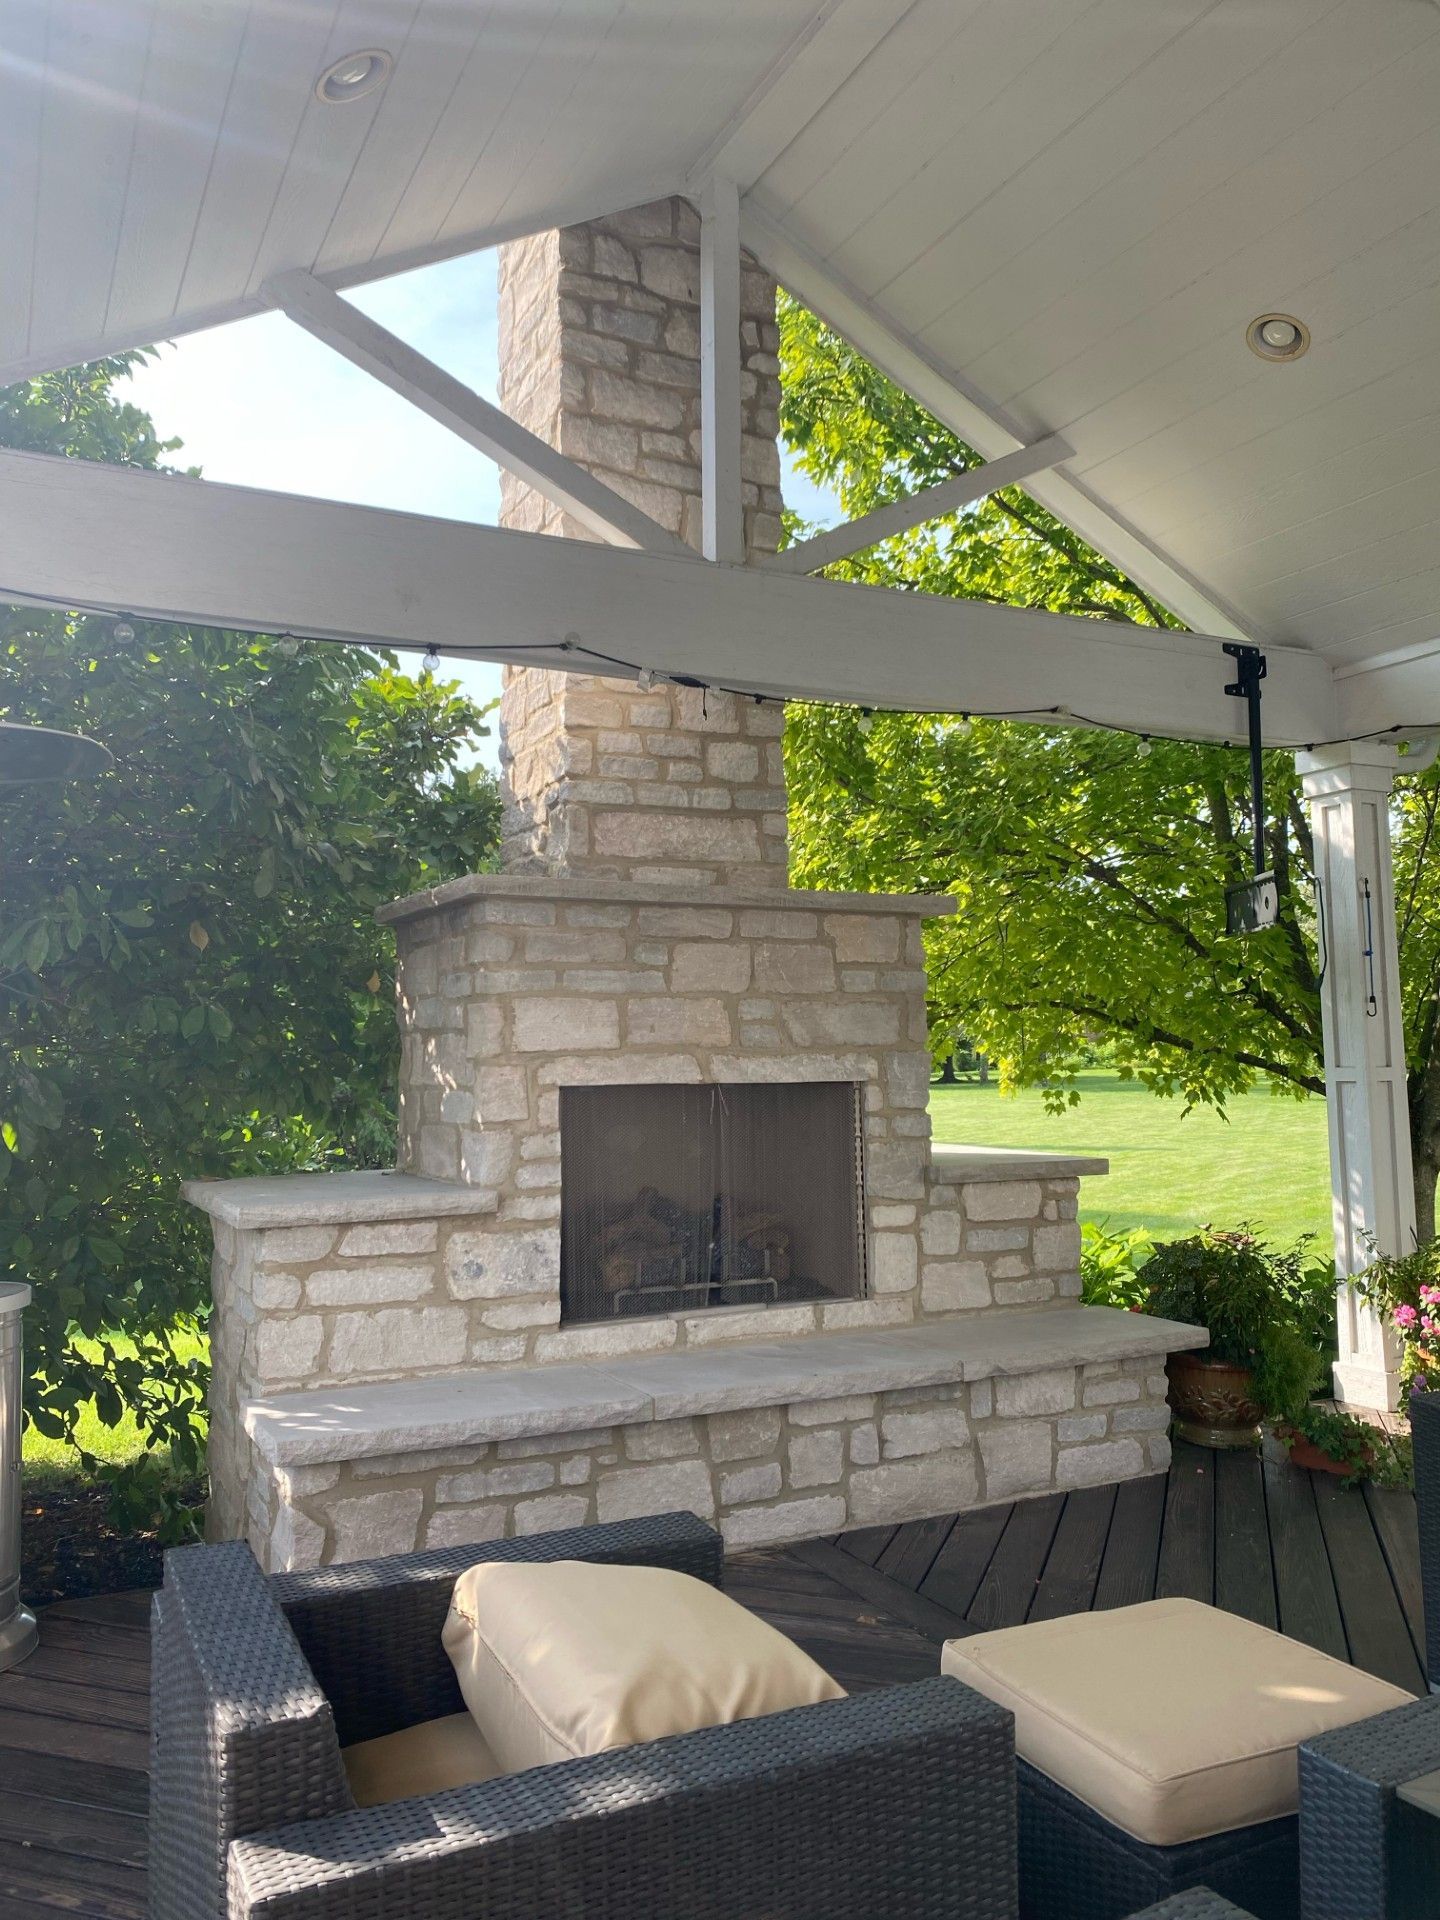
(1364, 1854)
(899, 1802)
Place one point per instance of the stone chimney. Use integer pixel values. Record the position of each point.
(600, 355)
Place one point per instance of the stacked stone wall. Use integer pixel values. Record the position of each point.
(599, 355)
(764, 1476)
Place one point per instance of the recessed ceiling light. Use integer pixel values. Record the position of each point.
(1278, 336)
(354, 75)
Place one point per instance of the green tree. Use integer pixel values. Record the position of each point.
(1089, 868)
(191, 981)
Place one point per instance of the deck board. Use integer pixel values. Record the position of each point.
(1334, 1567)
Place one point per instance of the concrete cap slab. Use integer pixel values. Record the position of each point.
(323, 1199)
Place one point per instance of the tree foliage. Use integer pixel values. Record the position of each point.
(1088, 867)
(191, 981)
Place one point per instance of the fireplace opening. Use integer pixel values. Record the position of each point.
(679, 1199)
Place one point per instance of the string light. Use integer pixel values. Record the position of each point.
(122, 629)
(1143, 748)
(645, 679)
(866, 720)
(963, 726)
(431, 660)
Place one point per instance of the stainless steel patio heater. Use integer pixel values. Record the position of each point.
(26, 753)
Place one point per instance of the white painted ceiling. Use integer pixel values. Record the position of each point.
(1067, 210)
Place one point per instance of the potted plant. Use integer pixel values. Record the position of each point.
(1260, 1359)
(1325, 1440)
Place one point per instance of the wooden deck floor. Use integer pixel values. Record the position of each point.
(1336, 1568)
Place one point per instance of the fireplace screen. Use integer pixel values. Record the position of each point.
(681, 1198)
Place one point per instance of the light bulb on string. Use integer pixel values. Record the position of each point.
(963, 726)
(866, 720)
(122, 633)
(1143, 747)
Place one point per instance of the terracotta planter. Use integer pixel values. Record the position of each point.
(1212, 1401)
(1305, 1453)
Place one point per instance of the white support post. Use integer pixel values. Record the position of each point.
(722, 508)
(1372, 1189)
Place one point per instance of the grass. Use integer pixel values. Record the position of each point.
(50, 1460)
(1169, 1170)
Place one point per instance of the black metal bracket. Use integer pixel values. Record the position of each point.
(1254, 905)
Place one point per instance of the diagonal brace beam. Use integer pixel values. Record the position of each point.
(898, 516)
(371, 347)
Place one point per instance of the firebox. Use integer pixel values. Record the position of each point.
(675, 1199)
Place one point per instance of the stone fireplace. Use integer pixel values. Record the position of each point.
(666, 1227)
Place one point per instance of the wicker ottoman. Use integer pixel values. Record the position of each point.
(1157, 1752)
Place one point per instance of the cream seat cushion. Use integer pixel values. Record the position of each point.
(568, 1658)
(1172, 1719)
(427, 1758)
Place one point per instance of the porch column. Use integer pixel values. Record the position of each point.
(1372, 1191)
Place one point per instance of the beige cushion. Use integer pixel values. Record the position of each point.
(1171, 1719)
(425, 1759)
(569, 1658)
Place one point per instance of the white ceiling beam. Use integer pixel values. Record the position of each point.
(836, 39)
(77, 533)
(722, 508)
(1400, 689)
(978, 421)
(388, 359)
(898, 516)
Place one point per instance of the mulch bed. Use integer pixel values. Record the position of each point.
(70, 1546)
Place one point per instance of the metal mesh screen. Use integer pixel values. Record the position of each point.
(675, 1199)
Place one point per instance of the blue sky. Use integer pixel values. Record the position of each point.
(261, 404)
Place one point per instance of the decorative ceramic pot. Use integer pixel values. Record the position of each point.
(1304, 1453)
(1213, 1401)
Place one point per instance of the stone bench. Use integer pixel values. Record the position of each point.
(777, 1440)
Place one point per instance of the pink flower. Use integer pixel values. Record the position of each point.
(1405, 1316)
(1426, 1323)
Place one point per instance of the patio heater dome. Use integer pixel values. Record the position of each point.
(45, 753)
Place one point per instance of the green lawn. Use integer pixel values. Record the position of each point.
(1169, 1170)
(46, 1459)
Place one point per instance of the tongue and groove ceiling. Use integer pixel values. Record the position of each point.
(1069, 210)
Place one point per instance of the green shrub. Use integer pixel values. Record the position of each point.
(1110, 1265)
(1244, 1293)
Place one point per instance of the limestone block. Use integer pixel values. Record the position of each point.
(892, 1215)
(817, 1458)
(484, 1030)
(740, 1436)
(843, 1316)
(949, 1286)
(495, 1483)
(930, 1430)
(940, 1233)
(687, 923)
(1057, 1246)
(748, 1484)
(592, 1440)
(507, 1316)
(662, 1440)
(1002, 1200)
(1098, 1465)
(738, 1323)
(670, 1021)
(982, 1399)
(1140, 1420)
(286, 1246)
(831, 1413)
(997, 1239)
(842, 1022)
(551, 1513)
(620, 1069)
(605, 1342)
(865, 1445)
(287, 1349)
(627, 1493)
(574, 1473)
(370, 1525)
(894, 1262)
(390, 1237)
(1017, 1459)
(703, 967)
(296, 1542)
(501, 1094)
(587, 945)
(367, 1286)
(864, 936)
(556, 1025)
(465, 1526)
(1030, 1393)
(1023, 1293)
(504, 1351)
(912, 1489)
(274, 1292)
(398, 1340)
(1081, 1426)
(775, 923)
(613, 980)
(1110, 1393)
(661, 836)
(495, 1266)
(787, 966)
(789, 1520)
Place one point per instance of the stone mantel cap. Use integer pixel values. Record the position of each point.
(326, 1199)
(655, 893)
(952, 1166)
